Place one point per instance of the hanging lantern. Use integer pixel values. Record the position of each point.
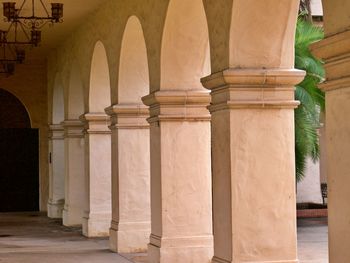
(57, 11)
(9, 68)
(35, 37)
(20, 55)
(9, 10)
(3, 35)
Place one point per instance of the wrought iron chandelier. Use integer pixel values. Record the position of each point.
(13, 41)
(32, 22)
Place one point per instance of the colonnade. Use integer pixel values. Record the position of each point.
(198, 166)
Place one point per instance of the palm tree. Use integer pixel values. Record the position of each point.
(307, 115)
(305, 9)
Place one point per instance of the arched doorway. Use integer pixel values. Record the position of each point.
(19, 157)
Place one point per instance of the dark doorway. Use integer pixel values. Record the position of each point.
(19, 171)
(19, 157)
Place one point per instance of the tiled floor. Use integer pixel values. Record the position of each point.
(33, 238)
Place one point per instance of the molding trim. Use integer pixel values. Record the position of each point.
(128, 116)
(253, 88)
(73, 128)
(178, 105)
(56, 132)
(96, 123)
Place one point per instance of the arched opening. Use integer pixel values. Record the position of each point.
(97, 208)
(75, 105)
(185, 57)
(130, 150)
(74, 150)
(19, 155)
(133, 68)
(180, 139)
(58, 102)
(99, 95)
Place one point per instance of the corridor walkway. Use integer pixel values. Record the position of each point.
(33, 238)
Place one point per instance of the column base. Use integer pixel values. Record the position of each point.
(55, 208)
(219, 260)
(188, 249)
(96, 225)
(129, 237)
(71, 217)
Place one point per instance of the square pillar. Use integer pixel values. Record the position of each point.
(97, 202)
(254, 202)
(131, 211)
(74, 172)
(180, 177)
(334, 50)
(56, 171)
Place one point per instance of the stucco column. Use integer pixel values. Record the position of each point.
(335, 51)
(253, 165)
(131, 212)
(180, 177)
(74, 172)
(97, 201)
(56, 171)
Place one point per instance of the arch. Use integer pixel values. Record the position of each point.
(13, 114)
(57, 102)
(75, 105)
(267, 40)
(133, 68)
(99, 93)
(185, 55)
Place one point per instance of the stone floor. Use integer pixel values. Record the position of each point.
(33, 238)
(313, 240)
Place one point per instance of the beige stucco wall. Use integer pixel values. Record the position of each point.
(29, 85)
(309, 189)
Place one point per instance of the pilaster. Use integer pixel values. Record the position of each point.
(180, 177)
(130, 226)
(97, 207)
(74, 172)
(56, 171)
(253, 155)
(334, 50)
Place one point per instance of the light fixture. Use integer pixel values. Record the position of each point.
(12, 14)
(34, 23)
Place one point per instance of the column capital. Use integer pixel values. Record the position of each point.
(334, 50)
(56, 132)
(128, 116)
(96, 123)
(178, 105)
(253, 88)
(73, 128)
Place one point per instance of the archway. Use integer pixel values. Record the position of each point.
(19, 155)
(252, 110)
(180, 140)
(130, 227)
(97, 207)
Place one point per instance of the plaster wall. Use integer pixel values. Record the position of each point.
(29, 85)
(309, 189)
(316, 8)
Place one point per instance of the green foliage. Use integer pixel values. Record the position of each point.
(312, 100)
